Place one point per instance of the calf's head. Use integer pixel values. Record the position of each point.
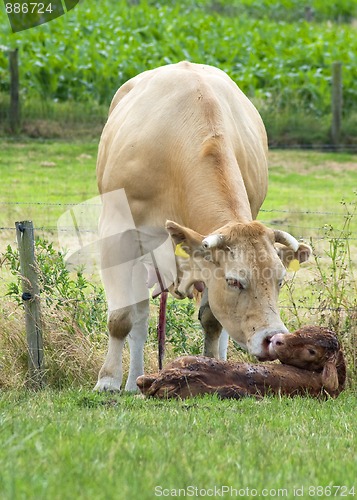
(311, 348)
(242, 266)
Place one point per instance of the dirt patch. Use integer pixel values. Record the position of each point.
(340, 167)
(307, 162)
(48, 164)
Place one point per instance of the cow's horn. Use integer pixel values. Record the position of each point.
(286, 239)
(213, 240)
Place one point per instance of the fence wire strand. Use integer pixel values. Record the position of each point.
(264, 210)
(315, 237)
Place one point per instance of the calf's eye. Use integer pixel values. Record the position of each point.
(312, 352)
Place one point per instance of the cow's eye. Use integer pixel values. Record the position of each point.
(235, 283)
(312, 352)
(280, 283)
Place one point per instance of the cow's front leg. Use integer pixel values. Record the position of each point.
(111, 373)
(136, 340)
(211, 327)
(223, 345)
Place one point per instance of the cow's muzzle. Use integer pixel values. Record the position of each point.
(259, 344)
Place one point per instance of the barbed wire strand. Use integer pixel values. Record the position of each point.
(83, 204)
(64, 301)
(270, 211)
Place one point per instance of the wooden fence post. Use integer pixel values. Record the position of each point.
(309, 14)
(14, 91)
(336, 102)
(31, 298)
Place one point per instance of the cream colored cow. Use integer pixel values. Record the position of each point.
(190, 151)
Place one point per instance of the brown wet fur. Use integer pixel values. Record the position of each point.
(190, 376)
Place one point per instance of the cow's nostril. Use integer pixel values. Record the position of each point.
(267, 341)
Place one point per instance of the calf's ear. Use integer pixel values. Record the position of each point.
(329, 375)
(287, 254)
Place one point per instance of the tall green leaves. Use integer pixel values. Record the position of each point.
(87, 54)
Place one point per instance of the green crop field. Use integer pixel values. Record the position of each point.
(85, 55)
(71, 67)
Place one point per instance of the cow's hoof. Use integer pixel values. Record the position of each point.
(131, 386)
(109, 384)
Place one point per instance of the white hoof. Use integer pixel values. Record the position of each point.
(108, 384)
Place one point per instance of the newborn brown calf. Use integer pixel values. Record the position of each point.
(313, 364)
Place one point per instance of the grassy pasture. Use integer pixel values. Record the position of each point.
(75, 444)
(62, 172)
(305, 192)
(71, 443)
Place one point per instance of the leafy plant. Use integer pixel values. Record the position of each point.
(80, 302)
(331, 297)
(183, 331)
(266, 47)
(336, 283)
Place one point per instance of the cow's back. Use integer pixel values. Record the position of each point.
(183, 133)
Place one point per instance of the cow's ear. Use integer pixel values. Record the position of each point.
(287, 255)
(190, 240)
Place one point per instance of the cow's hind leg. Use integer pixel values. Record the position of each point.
(211, 327)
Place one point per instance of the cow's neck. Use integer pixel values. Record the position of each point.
(216, 196)
(205, 223)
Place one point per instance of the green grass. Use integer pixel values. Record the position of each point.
(48, 171)
(311, 182)
(75, 444)
(60, 172)
(45, 172)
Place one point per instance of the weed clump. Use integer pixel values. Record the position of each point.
(73, 318)
(331, 298)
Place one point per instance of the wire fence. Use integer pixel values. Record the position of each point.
(262, 215)
(315, 234)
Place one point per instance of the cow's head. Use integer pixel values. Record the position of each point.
(243, 266)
